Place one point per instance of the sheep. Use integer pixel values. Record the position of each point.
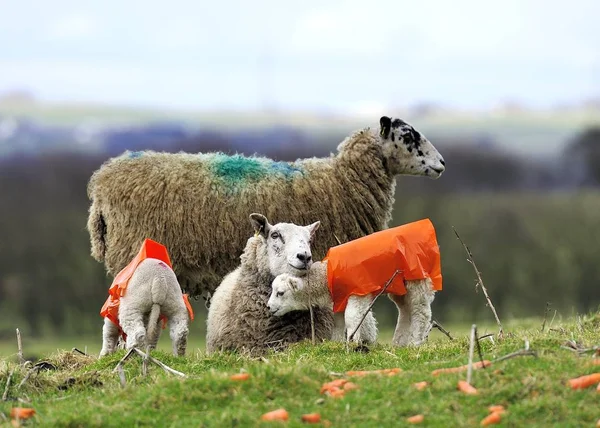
(238, 317)
(290, 293)
(152, 292)
(195, 203)
(352, 274)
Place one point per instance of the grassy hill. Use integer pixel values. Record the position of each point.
(83, 391)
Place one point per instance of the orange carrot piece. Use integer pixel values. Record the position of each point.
(311, 418)
(416, 419)
(583, 382)
(349, 386)
(491, 419)
(389, 372)
(467, 388)
(240, 376)
(21, 412)
(333, 384)
(276, 415)
(497, 408)
(336, 393)
(420, 385)
(459, 369)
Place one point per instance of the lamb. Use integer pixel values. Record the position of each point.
(195, 203)
(405, 257)
(152, 292)
(238, 317)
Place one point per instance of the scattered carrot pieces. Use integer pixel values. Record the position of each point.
(276, 415)
(349, 386)
(21, 412)
(416, 419)
(336, 393)
(337, 383)
(497, 408)
(492, 419)
(240, 376)
(420, 385)
(311, 418)
(583, 382)
(459, 369)
(467, 388)
(389, 372)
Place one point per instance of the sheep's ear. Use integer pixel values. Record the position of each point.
(313, 228)
(385, 124)
(260, 224)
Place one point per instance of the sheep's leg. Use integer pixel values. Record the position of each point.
(178, 329)
(419, 297)
(110, 335)
(133, 326)
(339, 327)
(355, 310)
(402, 333)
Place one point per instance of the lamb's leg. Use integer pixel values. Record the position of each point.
(419, 297)
(110, 335)
(402, 332)
(356, 308)
(132, 323)
(339, 327)
(178, 329)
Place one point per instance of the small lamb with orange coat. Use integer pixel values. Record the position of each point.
(352, 274)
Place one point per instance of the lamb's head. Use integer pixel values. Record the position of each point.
(407, 151)
(283, 297)
(287, 245)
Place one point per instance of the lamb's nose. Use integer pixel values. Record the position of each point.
(303, 257)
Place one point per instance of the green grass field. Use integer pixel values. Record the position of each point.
(83, 391)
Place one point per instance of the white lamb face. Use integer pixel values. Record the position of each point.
(282, 298)
(407, 151)
(288, 245)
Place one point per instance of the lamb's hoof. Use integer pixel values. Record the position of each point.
(362, 348)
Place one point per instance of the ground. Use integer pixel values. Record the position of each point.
(83, 391)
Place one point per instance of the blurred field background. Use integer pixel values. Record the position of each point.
(510, 99)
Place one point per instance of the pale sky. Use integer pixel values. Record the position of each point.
(339, 55)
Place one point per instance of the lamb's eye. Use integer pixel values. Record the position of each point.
(279, 293)
(275, 235)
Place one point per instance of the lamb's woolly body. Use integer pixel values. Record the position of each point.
(239, 319)
(195, 204)
(414, 308)
(153, 289)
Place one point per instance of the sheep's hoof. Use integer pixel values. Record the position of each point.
(362, 348)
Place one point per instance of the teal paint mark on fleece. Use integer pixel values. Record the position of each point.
(135, 155)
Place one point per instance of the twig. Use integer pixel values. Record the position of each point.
(437, 325)
(28, 375)
(471, 346)
(120, 363)
(387, 284)
(160, 364)
(5, 395)
(479, 349)
(522, 352)
(337, 239)
(20, 347)
(554, 316)
(80, 352)
(121, 376)
(545, 315)
(480, 283)
(4, 418)
(145, 361)
(485, 336)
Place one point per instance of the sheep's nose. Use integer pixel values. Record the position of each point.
(268, 307)
(303, 257)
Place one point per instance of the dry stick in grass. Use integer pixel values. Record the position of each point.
(480, 283)
(5, 395)
(471, 347)
(121, 376)
(437, 325)
(159, 364)
(387, 284)
(120, 363)
(521, 353)
(479, 349)
(145, 361)
(545, 315)
(20, 347)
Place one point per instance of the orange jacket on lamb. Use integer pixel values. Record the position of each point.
(365, 265)
(149, 250)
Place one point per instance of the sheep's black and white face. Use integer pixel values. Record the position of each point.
(283, 299)
(288, 245)
(407, 151)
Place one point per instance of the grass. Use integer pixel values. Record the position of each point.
(84, 391)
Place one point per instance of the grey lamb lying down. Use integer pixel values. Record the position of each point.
(239, 319)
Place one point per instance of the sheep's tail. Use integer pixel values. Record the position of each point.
(96, 227)
(159, 294)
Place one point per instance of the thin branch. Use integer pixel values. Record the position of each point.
(120, 363)
(471, 347)
(372, 303)
(28, 375)
(480, 283)
(437, 325)
(160, 364)
(521, 353)
(545, 315)
(20, 348)
(122, 379)
(145, 361)
(80, 352)
(479, 349)
(5, 395)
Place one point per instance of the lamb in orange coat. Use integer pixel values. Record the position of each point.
(353, 273)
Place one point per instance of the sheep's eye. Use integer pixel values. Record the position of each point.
(279, 293)
(275, 235)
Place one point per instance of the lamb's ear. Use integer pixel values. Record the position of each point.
(312, 228)
(385, 124)
(260, 224)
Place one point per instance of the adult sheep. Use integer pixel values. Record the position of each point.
(239, 319)
(195, 204)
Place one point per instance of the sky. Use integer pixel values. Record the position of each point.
(328, 55)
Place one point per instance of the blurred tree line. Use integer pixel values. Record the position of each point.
(533, 228)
